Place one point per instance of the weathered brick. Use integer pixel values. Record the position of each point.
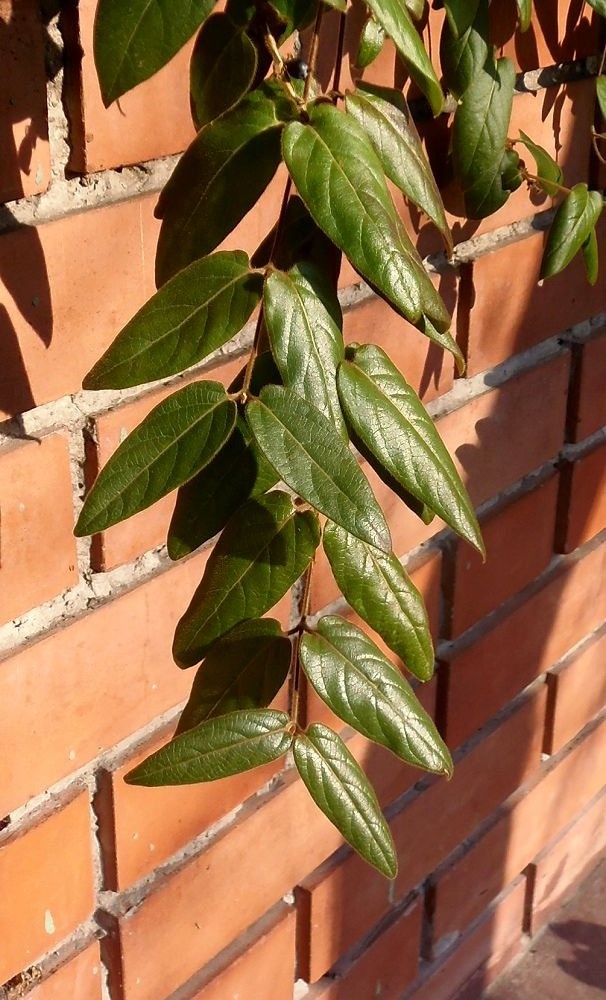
(80, 978)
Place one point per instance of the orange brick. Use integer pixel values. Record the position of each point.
(586, 494)
(80, 978)
(577, 692)
(38, 552)
(590, 414)
(47, 882)
(519, 545)
(25, 165)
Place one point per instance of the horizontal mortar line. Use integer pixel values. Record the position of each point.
(496, 239)
(77, 942)
(579, 449)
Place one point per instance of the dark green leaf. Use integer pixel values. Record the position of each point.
(547, 168)
(198, 311)
(360, 685)
(265, 372)
(206, 503)
(479, 136)
(134, 40)
(262, 551)
(223, 68)
(308, 454)
(244, 670)
(178, 438)
(590, 257)
(462, 57)
(574, 221)
(389, 418)
(305, 337)
(395, 19)
(460, 14)
(511, 177)
(385, 117)
(376, 586)
(601, 91)
(372, 39)
(340, 788)
(297, 239)
(341, 180)
(219, 178)
(217, 748)
(416, 8)
(293, 14)
(525, 13)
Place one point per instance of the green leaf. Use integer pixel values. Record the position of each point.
(305, 337)
(385, 117)
(461, 14)
(341, 180)
(416, 8)
(178, 438)
(599, 6)
(377, 587)
(293, 14)
(601, 90)
(244, 670)
(223, 68)
(340, 788)
(524, 13)
(353, 677)
(262, 551)
(297, 239)
(479, 136)
(511, 176)
(308, 454)
(219, 178)
(396, 21)
(392, 424)
(590, 257)
(134, 40)
(217, 748)
(340, 5)
(206, 503)
(547, 168)
(463, 56)
(574, 221)
(197, 312)
(372, 39)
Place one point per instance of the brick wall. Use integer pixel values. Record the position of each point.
(242, 888)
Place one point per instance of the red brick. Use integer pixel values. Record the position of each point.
(345, 899)
(577, 692)
(47, 886)
(586, 515)
(519, 545)
(265, 968)
(591, 412)
(25, 163)
(561, 865)
(38, 552)
(525, 824)
(80, 978)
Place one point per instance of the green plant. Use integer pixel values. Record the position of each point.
(302, 399)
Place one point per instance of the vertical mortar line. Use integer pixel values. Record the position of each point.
(565, 467)
(57, 118)
(106, 880)
(465, 300)
(83, 467)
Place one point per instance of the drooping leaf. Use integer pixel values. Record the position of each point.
(133, 40)
(262, 551)
(305, 337)
(396, 21)
(391, 422)
(385, 117)
(264, 372)
(463, 56)
(340, 788)
(244, 670)
(511, 176)
(460, 14)
(297, 239)
(574, 221)
(524, 13)
(341, 180)
(178, 438)
(217, 748)
(309, 455)
(219, 178)
(479, 136)
(601, 89)
(382, 593)
(372, 39)
(206, 503)
(591, 258)
(353, 677)
(547, 168)
(223, 68)
(195, 313)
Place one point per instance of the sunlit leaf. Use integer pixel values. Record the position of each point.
(372, 39)
(574, 222)
(396, 21)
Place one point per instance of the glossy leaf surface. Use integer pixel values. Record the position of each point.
(262, 551)
(546, 167)
(463, 56)
(178, 438)
(398, 25)
(340, 788)
(308, 454)
(223, 68)
(372, 39)
(460, 14)
(574, 221)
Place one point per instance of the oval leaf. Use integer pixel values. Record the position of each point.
(393, 426)
(308, 454)
(178, 438)
(590, 257)
(194, 314)
(223, 67)
(217, 748)
(462, 56)
(263, 550)
(340, 788)
(601, 92)
(547, 168)
(574, 221)
(460, 14)
(372, 39)
(396, 21)
(377, 587)
(524, 13)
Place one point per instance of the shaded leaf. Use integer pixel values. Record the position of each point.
(590, 257)
(217, 748)
(524, 13)
(262, 551)
(381, 592)
(178, 438)
(547, 168)
(460, 14)
(223, 67)
(308, 454)
(340, 788)
(463, 56)
(574, 221)
(511, 177)
(293, 14)
(390, 420)
(197, 312)
(398, 25)
(599, 6)
(297, 239)
(601, 92)
(353, 677)
(372, 39)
